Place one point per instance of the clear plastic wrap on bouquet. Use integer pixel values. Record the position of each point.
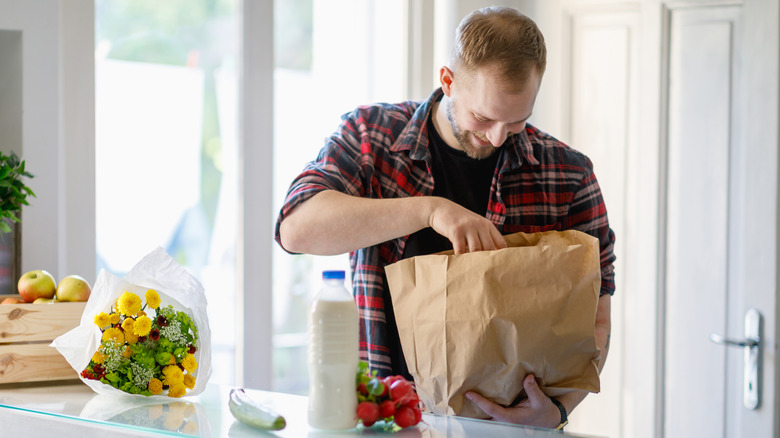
(175, 287)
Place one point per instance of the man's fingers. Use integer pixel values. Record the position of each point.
(490, 408)
(532, 389)
(486, 239)
(475, 244)
(498, 239)
(460, 246)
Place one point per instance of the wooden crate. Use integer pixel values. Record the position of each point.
(26, 330)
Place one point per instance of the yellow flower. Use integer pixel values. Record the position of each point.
(127, 352)
(189, 363)
(173, 375)
(152, 298)
(189, 381)
(140, 313)
(98, 357)
(142, 326)
(129, 304)
(102, 319)
(113, 318)
(127, 324)
(131, 337)
(155, 386)
(176, 390)
(115, 334)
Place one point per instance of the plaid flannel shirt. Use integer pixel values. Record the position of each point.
(381, 151)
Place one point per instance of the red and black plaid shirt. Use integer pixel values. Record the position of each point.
(380, 151)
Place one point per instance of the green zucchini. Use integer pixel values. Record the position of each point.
(253, 413)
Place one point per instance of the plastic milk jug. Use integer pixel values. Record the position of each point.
(333, 355)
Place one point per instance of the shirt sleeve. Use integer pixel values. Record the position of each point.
(336, 168)
(588, 213)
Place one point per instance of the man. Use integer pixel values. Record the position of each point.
(456, 171)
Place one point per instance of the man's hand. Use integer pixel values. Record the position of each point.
(535, 410)
(467, 230)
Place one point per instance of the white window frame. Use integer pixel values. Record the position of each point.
(253, 306)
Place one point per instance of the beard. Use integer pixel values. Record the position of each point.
(464, 138)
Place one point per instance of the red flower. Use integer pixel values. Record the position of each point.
(154, 334)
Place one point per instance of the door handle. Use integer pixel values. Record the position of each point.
(752, 345)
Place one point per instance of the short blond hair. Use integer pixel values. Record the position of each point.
(503, 38)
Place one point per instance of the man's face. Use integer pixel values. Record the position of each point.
(482, 113)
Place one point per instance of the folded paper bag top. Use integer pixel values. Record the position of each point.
(482, 321)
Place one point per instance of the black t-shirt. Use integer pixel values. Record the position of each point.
(458, 178)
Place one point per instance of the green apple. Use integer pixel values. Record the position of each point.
(73, 288)
(36, 284)
(43, 300)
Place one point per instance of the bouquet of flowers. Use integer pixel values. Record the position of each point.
(145, 354)
(145, 335)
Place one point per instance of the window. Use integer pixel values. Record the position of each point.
(166, 130)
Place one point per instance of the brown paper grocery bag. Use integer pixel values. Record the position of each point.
(484, 320)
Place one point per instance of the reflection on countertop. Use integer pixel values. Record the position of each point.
(208, 415)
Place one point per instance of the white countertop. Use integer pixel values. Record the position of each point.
(74, 410)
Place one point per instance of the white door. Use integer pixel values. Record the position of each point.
(721, 216)
(677, 105)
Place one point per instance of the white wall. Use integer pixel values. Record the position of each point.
(57, 135)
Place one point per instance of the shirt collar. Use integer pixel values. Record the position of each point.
(414, 138)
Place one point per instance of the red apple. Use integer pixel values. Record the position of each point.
(73, 288)
(11, 300)
(36, 284)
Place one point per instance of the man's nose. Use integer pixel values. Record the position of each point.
(496, 135)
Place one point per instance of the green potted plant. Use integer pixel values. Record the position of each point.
(13, 195)
(13, 192)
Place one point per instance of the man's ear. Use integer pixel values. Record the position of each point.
(446, 77)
